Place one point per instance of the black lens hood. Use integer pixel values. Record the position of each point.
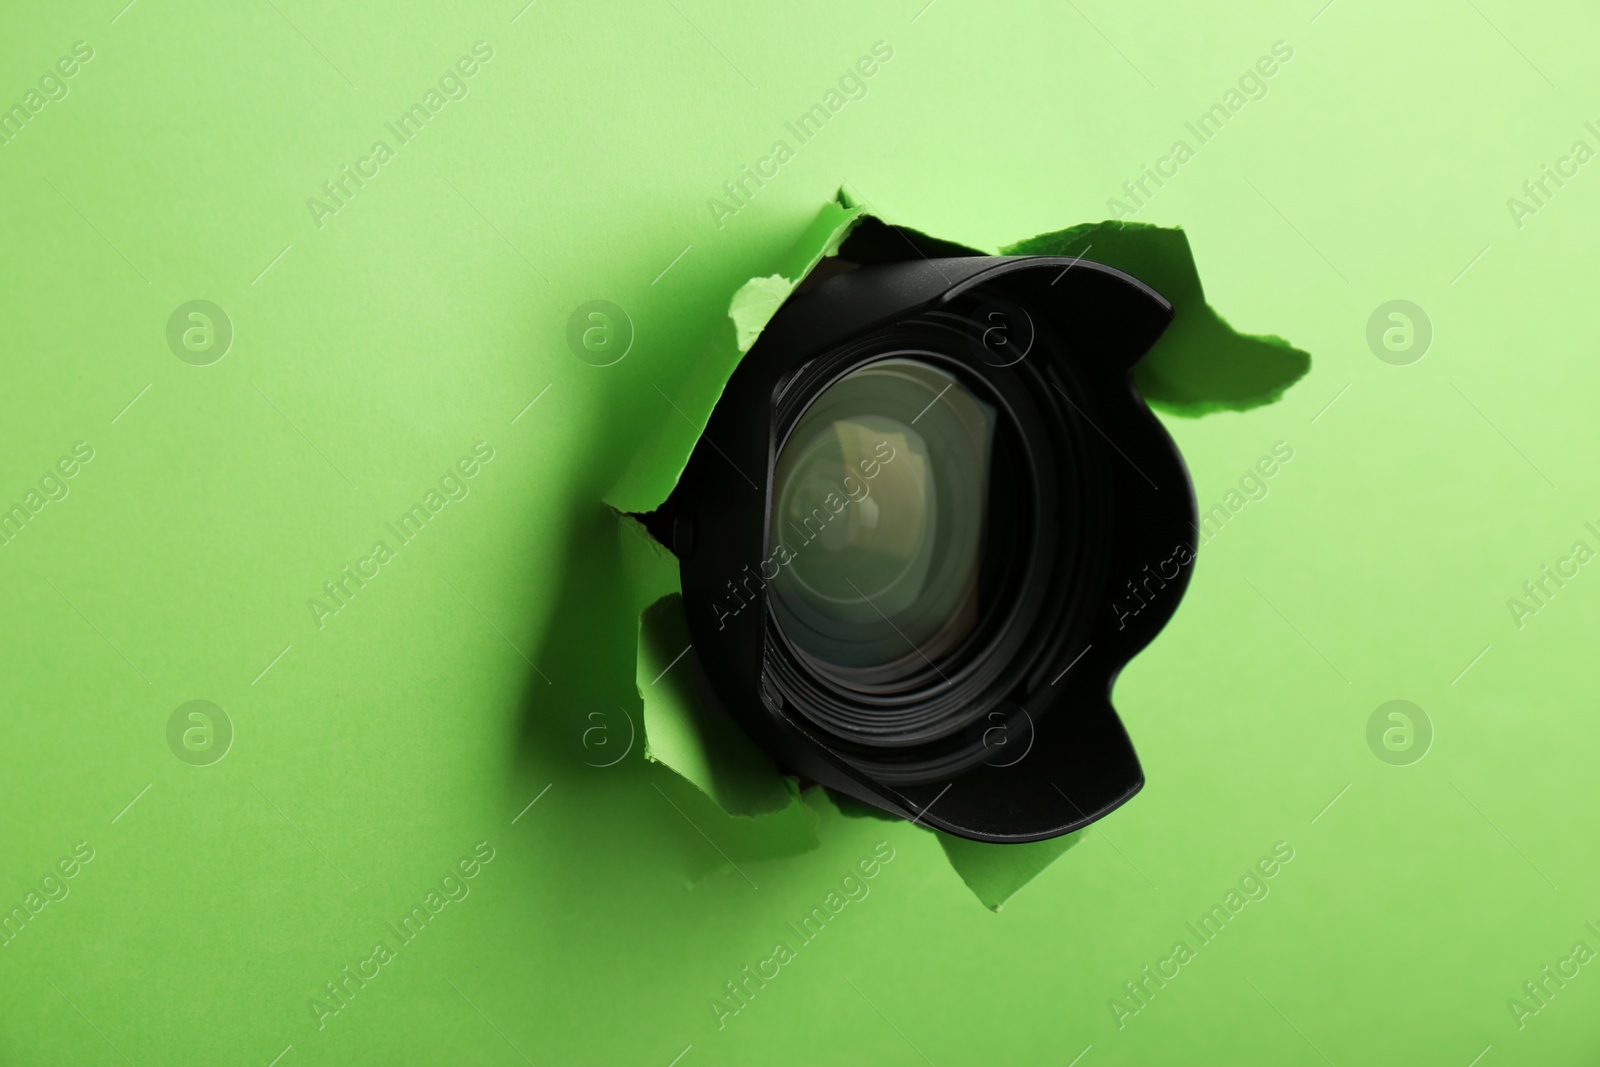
(1028, 745)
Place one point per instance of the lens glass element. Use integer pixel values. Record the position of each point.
(879, 505)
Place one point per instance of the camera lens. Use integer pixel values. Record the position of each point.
(880, 498)
(901, 531)
(910, 536)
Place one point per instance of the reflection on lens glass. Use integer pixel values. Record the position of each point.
(879, 504)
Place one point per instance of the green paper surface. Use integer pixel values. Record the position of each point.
(996, 872)
(760, 298)
(1440, 464)
(653, 472)
(707, 749)
(1200, 364)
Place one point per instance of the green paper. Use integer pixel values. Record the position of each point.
(754, 305)
(655, 469)
(1388, 159)
(996, 872)
(705, 748)
(760, 298)
(1200, 364)
(650, 567)
(758, 813)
